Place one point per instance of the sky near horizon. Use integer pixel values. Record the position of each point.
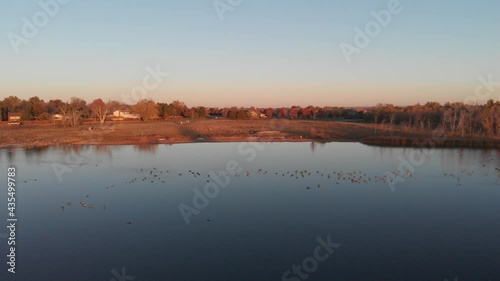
(258, 53)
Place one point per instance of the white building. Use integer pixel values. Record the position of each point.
(59, 117)
(117, 114)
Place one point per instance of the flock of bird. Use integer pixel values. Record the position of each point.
(321, 178)
(354, 177)
(83, 204)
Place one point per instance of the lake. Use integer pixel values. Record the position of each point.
(253, 211)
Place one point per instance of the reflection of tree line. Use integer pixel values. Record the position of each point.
(486, 160)
(99, 149)
(79, 149)
(463, 159)
(315, 144)
(32, 152)
(149, 148)
(29, 153)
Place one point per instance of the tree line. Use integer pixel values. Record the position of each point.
(76, 110)
(453, 118)
(456, 118)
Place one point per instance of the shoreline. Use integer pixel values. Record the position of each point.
(448, 145)
(217, 131)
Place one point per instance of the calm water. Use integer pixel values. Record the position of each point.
(442, 222)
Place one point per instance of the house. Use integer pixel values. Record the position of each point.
(15, 117)
(253, 114)
(58, 117)
(121, 115)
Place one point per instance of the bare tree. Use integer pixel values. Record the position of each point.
(64, 109)
(461, 124)
(487, 120)
(497, 121)
(392, 119)
(101, 109)
(76, 107)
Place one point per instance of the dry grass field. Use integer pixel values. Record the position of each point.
(221, 130)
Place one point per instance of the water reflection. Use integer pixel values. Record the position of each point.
(120, 208)
(147, 148)
(314, 144)
(104, 149)
(35, 152)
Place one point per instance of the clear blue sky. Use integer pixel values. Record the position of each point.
(264, 52)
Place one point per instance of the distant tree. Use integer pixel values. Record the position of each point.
(231, 114)
(4, 114)
(269, 112)
(306, 113)
(201, 112)
(170, 111)
(64, 109)
(432, 105)
(101, 108)
(486, 119)
(8, 105)
(27, 112)
(35, 99)
(180, 107)
(38, 105)
(391, 120)
(44, 116)
(146, 109)
(161, 107)
(98, 107)
(283, 113)
(76, 110)
(53, 106)
(242, 114)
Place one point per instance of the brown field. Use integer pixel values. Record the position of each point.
(34, 134)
